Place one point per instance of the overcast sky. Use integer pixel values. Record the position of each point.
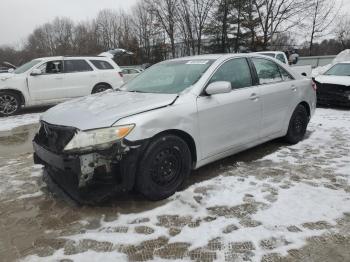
(18, 18)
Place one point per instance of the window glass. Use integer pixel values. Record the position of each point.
(72, 66)
(26, 66)
(52, 67)
(281, 58)
(267, 71)
(125, 71)
(342, 69)
(236, 71)
(102, 65)
(285, 75)
(170, 77)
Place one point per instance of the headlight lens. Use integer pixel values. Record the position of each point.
(98, 138)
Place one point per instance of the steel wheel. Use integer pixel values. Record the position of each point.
(166, 167)
(9, 104)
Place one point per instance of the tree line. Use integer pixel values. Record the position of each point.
(155, 30)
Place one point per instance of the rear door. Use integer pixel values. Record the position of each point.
(278, 93)
(232, 119)
(79, 78)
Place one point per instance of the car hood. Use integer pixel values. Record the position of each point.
(6, 76)
(336, 80)
(104, 109)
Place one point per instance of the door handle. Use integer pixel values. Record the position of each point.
(58, 78)
(254, 97)
(294, 88)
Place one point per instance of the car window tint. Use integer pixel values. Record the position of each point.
(267, 71)
(72, 66)
(52, 67)
(285, 75)
(281, 58)
(236, 71)
(102, 65)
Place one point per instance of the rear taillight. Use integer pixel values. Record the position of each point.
(120, 74)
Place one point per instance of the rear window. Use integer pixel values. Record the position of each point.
(72, 66)
(102, 65)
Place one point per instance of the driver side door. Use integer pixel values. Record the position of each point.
(230, 120)
(47, 86)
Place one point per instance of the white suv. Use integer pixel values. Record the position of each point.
(51, 80)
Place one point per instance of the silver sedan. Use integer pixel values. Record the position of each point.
(176, 116)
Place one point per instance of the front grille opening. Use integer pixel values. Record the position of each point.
(54, 138)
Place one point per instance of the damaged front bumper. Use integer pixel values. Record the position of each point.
(92, 177)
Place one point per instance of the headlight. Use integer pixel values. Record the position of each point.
(100, 138)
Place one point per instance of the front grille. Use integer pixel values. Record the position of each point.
(54, 138)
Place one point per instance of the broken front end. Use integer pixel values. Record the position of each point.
(333, 94)
(89, 166)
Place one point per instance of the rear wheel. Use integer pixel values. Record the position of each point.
(100, 88)
(297, 125)
(164, 167)
(10, 103)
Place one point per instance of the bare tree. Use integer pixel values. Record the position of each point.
(165, 11)
(277, 14)
(319, 17)
(342, 31)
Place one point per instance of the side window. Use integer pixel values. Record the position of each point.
(267, 71)
(101, 65)
(285, 75)
(125, 71)
(281, 58)
(73, 66)
(52, 67)
(236, 71)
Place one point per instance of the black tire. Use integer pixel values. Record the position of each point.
(164, 167)
(10, 103)
(100, 88)
(297, 125)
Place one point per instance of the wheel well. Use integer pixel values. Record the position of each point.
(186, 137)
(19, 93)
(307, 107)
(102, 83)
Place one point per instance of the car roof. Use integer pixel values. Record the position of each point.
(344, 62)
(70, 57)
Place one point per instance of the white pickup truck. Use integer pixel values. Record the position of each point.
(51, 80)
(281, 56)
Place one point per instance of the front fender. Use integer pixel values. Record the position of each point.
(182, 115)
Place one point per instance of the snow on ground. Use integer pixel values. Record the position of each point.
(249, 211)
(11, 122)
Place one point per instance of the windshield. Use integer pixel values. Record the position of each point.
(170, 77)
(339, 70)
(26, 66)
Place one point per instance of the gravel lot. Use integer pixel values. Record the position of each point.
(271, 203)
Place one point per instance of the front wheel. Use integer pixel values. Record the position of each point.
(297, 125)
(10, 103)
(100, 88)
(164, 167)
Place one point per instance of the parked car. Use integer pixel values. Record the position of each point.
(130, 73)
(281, 56)
(51, 80)
(333, 86)
(176, 116)
(6, 67)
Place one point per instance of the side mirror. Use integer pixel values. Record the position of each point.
(35, 72)
(219, 87)
(11, 70)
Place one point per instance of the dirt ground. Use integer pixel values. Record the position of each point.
(271, 203)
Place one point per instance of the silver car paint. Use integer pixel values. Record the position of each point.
(220, 125)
